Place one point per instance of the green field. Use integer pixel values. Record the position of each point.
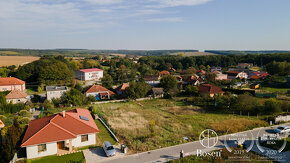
(152, 124)
(75, 157)
(103, 135)
(275, 90)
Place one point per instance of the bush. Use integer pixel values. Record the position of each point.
(24, 113)
(47, 104)
(24, 120)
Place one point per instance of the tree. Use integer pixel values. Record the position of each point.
(168, 82)
(74, 97)
(191, 90)
(137, 90)
(272, 106)
(107, 81)
(210, 77)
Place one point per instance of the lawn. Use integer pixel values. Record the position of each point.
(103, 135)
(275, 90)
(75, 157)
(152, 124)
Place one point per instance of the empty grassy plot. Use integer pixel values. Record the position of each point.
(103, 135)
(152, 124)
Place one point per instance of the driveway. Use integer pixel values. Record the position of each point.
(98, 155)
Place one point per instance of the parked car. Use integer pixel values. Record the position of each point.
(282, 129)
(109, 149)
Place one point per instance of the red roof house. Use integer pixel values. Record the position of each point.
(121, 89)
(11, 83)
(164, 73)
(59, 133)
(209, 90)
(99, 92)
(16, 96)
(89, 74)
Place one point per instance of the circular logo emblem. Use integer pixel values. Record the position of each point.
(208, 138)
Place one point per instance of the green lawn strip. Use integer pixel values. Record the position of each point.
(74, 157)
(278, 145)
(104, 134)
(275, 90)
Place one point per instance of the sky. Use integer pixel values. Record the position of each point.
(145, 24)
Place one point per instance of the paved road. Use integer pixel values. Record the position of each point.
(169, 153)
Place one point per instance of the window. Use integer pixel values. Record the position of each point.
(84, 138)
(41, 147)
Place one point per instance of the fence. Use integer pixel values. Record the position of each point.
(114, 136)
(282, 119)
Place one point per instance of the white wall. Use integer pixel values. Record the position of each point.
(78, 143)
(32, 151)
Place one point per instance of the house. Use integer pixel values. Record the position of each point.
(152, 80)
(157, 92)
(209, 90)
(216, 69)
(16, 96)
(89, 74)
(200, 72)
(2, 125)
(11, 83)
(59, 133)
(178, 78)
(121, 89)
(245, 65)
(162, 73)
(258, 75)
(99, 92)
(236, 74)
(55, 91)
(220, 75)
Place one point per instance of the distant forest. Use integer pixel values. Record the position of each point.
(87, 53)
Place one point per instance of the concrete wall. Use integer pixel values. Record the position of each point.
(15, 101)
(95, 75)
(32, 151)
(77, 142)
(54, 94)
(12, 87)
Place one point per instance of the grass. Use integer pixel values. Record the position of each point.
(104, 134)
(152, 124)
(75, 157)
(278, 145)
(275, 90)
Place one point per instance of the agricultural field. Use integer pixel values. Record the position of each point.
(152, 124)
(186, 54)
(16, 60)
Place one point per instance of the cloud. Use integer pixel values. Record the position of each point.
(174, 3)
(104, 2)
(167, 19)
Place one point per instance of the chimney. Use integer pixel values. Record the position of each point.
(63, 113)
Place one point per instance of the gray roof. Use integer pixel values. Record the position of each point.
(56, 88)
(158, 91)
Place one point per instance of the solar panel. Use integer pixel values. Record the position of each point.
(84, 118)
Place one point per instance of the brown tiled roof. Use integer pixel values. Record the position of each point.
(14, 94)
(233, 72)
(58, 127)
(98, 88)
(164, 73)
(123, 87)
(208, 88)
(11, 81)
(151, 77)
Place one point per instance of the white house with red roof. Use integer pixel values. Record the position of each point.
(11, 83)
(16, 96)
(59, 133)
(99, 92)
(89, 74)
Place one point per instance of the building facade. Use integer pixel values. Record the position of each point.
(89, 74)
